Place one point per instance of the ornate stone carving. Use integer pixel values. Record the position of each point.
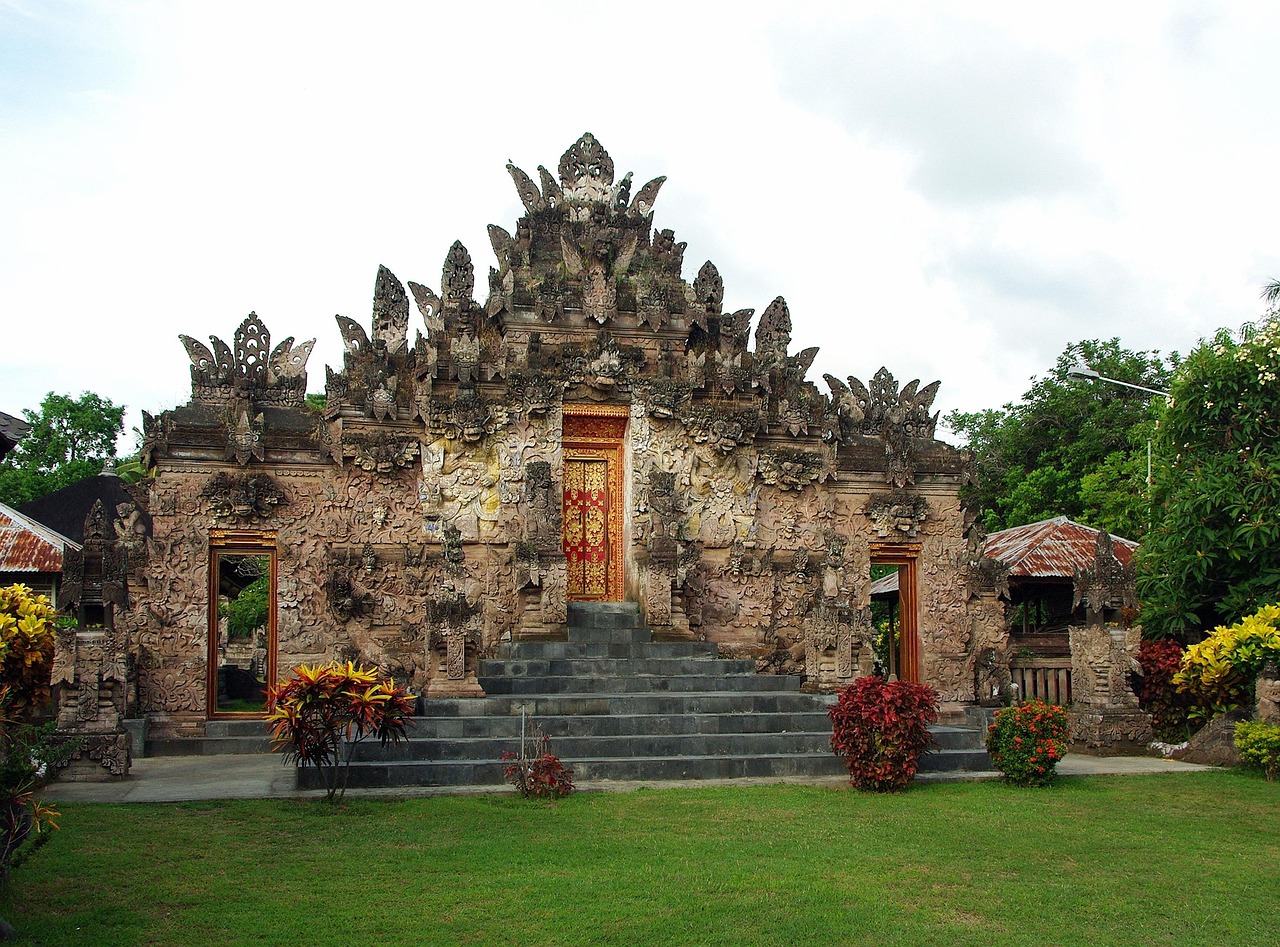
(90, 673)
(1268, 695)
(244, 499)
(896, 515)
(882, 410)
(252, 369)
(380, 453)
(794, 469)
(1104, 709)
(1106, 582)
(244, 438)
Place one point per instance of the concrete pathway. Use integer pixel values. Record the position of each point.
(265, 776)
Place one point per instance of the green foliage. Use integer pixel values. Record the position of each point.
(880, 728)
(325, 708)
(1219, 672)
(1214, 553)
(1026, 742)
(248, 611)
(69, 440)
(1259, 746)
(1069, 448)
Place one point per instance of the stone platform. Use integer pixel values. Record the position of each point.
(618, 706)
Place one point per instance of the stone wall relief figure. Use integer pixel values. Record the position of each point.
(245, 437)
(721, 501)
(542, 508)
(464, 490)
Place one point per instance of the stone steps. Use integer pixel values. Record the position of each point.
(618, 706)
(221, 737)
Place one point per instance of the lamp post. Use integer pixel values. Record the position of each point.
(1083, 372)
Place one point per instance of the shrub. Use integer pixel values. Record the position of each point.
(880, 728)
(324, 708)
(1259, 746)
(1219, 672)
(26, 648)
(27, 753)
(1169, 706)
(1026, 742)
(537, 775)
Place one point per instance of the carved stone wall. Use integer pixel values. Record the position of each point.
(416, 515)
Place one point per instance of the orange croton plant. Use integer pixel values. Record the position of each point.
(320, 713)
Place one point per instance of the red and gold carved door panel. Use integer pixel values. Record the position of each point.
(586, 527)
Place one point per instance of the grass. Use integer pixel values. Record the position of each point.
(1169, 859)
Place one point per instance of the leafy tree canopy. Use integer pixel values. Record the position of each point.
(1070, 448)
(70, 438)
(1214, 553)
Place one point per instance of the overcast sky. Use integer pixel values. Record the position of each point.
(955, 192)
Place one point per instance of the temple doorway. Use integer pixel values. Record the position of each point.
(893, 568)
(593, 502)
(242, 623)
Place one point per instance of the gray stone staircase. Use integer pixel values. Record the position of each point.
(221, 737)
(618, 706)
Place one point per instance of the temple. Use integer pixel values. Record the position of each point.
(595, 429)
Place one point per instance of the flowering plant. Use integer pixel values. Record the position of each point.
(880, 728)
(1027, 741)
(26, 647)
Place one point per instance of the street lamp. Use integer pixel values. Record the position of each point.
(1083, 372)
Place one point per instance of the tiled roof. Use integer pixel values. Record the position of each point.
(26, 546)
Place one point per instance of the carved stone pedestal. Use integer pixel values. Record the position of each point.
(1104, 711)
(89, 680)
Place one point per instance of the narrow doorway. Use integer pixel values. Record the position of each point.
(894, 576)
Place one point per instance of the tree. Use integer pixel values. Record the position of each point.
(70, 438)
(1214, 553)
(1070, 448)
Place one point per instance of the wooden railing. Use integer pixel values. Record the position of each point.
(1041, 678)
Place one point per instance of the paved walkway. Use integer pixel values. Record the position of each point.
(264, 776)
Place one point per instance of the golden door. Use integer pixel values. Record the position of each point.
(586, 527)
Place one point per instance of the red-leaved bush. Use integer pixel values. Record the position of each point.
(1158, 695)
(880, 728)
(537, 775)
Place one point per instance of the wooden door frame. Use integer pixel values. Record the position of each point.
(246, 543)
(906, 556)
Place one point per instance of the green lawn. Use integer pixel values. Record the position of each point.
(1100, 860)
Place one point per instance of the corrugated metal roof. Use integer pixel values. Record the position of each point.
(1051, 548)
(26, 546)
